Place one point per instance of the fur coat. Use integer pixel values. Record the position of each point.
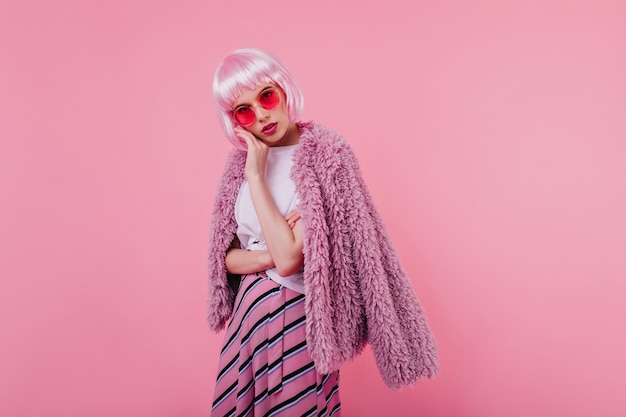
(356, 289)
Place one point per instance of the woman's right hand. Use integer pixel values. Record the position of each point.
(257, 155)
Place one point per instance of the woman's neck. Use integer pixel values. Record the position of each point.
(292, 136)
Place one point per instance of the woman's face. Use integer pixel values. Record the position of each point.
(271, 122)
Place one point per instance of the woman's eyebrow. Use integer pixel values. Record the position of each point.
(260, 92)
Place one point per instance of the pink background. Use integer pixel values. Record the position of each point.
(491, 134)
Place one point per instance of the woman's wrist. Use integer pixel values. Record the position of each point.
(255, 179)
(265, 260)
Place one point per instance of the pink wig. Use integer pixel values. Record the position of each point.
(250, 67)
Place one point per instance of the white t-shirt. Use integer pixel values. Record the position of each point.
(283, 190)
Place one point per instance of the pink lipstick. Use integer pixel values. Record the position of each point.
(270, 129)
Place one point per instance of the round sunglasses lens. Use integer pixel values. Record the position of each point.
(269, 99)
(244, 116)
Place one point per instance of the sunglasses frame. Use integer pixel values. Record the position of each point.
(251, 107)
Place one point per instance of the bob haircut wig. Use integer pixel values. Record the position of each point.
(251, 67)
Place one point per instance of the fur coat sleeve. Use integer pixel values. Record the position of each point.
(223, 227)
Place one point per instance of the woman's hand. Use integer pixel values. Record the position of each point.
(292, 218)
(257, 155)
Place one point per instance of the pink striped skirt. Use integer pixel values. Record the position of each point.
(264, 367)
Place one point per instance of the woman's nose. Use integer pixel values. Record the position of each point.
(261, 113)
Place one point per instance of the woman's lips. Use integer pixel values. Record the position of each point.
(270, 128)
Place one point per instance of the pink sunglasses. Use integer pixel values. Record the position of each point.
(268, 99)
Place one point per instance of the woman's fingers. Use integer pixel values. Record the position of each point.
(257, 154)
(293, 214)
(292, 217)
(245, 135)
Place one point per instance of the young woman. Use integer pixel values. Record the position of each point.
(299, 259)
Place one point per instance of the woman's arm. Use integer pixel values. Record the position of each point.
(284, 243)
(241, 261)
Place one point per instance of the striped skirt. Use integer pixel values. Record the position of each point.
(264, 367)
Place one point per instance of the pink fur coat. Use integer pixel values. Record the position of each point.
(356, 289)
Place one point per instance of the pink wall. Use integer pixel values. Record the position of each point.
(492, 135)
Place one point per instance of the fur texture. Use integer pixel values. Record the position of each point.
(356, 289)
